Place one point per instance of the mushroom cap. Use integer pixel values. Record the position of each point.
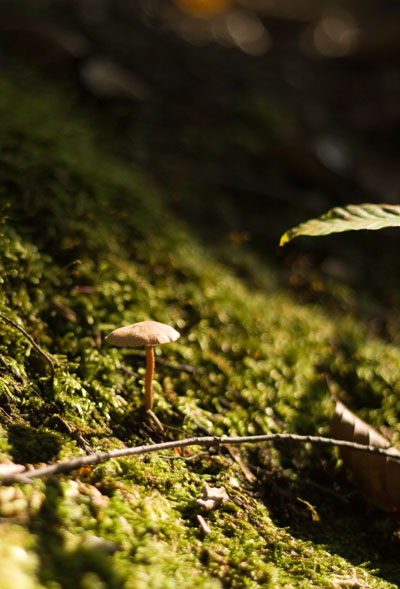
(144, 333)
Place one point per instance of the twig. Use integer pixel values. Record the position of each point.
(324, 490)
(180, 367)
(177, 366)
(186, 458)
(75, 434)
(153, 417)
(208, 441)
(235, 455)
(129, 371)
(44, 354)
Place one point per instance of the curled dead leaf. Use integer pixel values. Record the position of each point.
(10, 468)
(213, 497)
(378, 477)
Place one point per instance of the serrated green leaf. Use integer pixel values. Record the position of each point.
(349, 218)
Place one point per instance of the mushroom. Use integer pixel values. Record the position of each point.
(147, 334)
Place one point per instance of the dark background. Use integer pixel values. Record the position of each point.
(250, 116)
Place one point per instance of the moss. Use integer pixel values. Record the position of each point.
(80, 255)
(19, 563)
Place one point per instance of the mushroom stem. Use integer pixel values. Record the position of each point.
(148, 388)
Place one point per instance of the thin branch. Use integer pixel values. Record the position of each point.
(324, 490)
(181, 367)
(129, 371)
(208, 441)
(44, 354)
(185, 458)
(175, 365)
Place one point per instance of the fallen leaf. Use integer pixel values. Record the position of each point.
(378, 477)
(213, 497)
(10, 468)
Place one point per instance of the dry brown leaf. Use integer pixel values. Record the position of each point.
(10, 468)
(378, 477)
(213, 497)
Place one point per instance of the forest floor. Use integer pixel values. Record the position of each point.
(113, 215)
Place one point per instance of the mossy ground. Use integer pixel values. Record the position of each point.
(88, 244)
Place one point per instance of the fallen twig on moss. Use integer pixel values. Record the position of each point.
(175, 365)
(209, 441)
(44, 354)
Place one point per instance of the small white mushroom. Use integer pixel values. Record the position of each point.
(147, 334)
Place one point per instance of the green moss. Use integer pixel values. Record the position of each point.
(18, 561)
(88, 245)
